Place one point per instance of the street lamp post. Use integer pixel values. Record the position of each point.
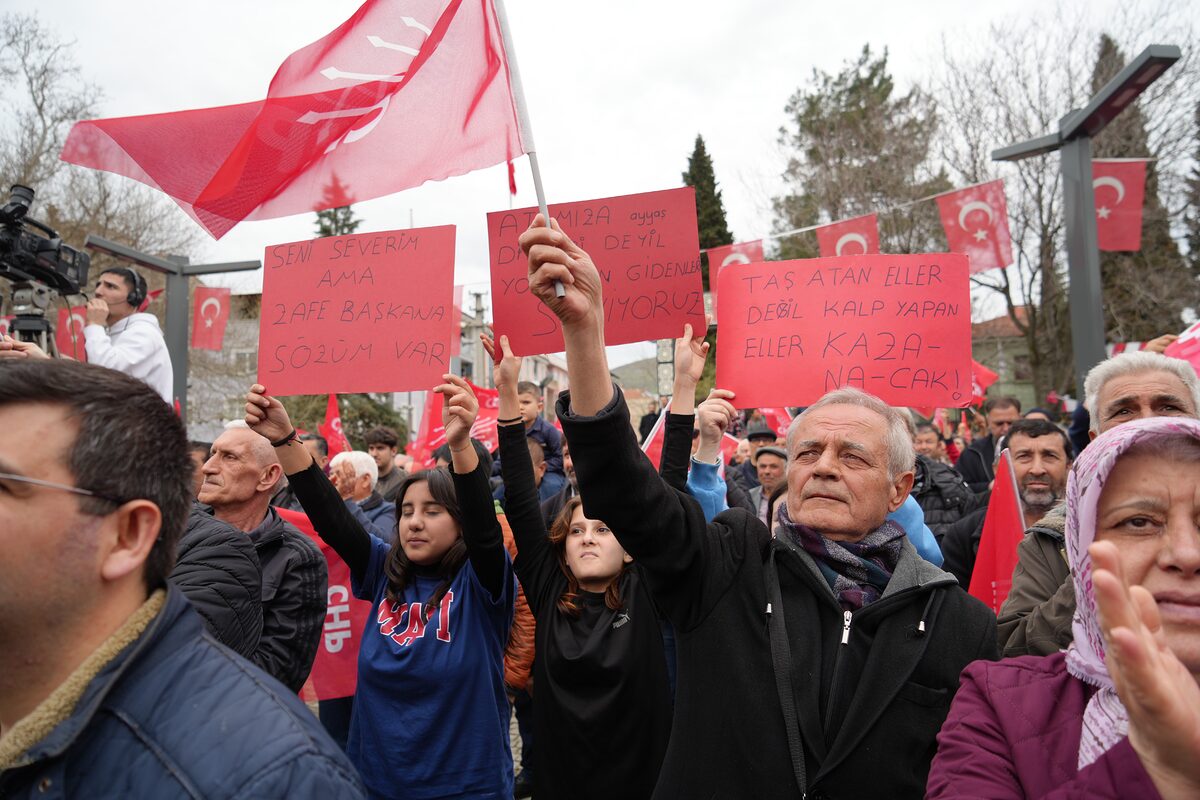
(1074, 141)
(177, 270)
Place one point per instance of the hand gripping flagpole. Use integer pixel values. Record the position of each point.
(518, 90)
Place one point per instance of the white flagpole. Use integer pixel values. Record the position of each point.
(518, 90)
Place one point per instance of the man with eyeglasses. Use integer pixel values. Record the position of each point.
(109, 685)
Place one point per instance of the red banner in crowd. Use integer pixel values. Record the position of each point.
(777, 419)
(432, 433)
(331, 428)
(981, 379)
(335, 669)
(653, 445)
(68, 336)
(1003, 529)
(1119, 186)
(395, 96)
(645, 248)
(367, 312)
(897, 326)
(721, 257)
(849, 237)
(210, 312)
(976, 223)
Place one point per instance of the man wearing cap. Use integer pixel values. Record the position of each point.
(746, 475)
(770, 462)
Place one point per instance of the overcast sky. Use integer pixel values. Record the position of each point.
(617, 90)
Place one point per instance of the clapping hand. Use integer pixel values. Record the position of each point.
(1159, 693)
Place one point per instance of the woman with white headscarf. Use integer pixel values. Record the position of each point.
(1117, 714)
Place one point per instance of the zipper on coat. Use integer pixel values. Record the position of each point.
(846, 617)
(831, 708)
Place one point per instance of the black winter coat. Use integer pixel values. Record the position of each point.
(975, 464)
(175, 714)
(217, 569)
(869, 710)
(943, 495)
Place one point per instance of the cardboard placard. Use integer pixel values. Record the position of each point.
(896, 326)
(367, 312)
(646, 248)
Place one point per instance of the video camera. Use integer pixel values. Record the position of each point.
(26, 256)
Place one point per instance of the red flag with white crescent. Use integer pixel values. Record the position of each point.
(68, 336)
(777, 419)
(331, 429)
(849, 237)
(981, 379)
(399, 94)
(210, 312)
(653, 445)
(1119, 186)
(976, 223)
(6, 324)
(1003, 529)
(727, 255)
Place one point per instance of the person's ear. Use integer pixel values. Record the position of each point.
(131, 532)
(626, 558)
(900, 489)
(270, 477)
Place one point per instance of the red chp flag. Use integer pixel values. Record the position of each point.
(981, 379)
(721, 257)
(210, 312)
(849, 237)
(331, 429)
(68, 336)
(1120, 190)
(403, 92)
(335, 668)
(1003, 529)
(976, 223)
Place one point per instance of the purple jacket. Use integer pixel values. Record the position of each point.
(1013, 732)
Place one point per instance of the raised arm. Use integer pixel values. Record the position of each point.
(691, 352)
(330, 518)
(481, 530)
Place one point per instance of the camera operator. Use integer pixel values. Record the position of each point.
(120, 337)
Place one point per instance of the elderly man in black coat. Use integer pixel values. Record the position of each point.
(820, 661)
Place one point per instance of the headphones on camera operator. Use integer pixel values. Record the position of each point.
(137, 295)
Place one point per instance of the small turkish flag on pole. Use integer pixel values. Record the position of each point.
(724, 256)
(981, 379)
(976, 223)
(210, 312)
(1003, 529)
(1119, 186)
(331, 429)
(404, 92)
(849, 237)
(68, 336)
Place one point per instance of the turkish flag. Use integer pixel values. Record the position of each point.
(777, 419)
(1003, 529)
(653, 445)
(405, 91)
(1187, 346)
(5, 324)
(335, 669)
(432, 433)
(210, 312)
(981, 379)
(331, 429)
(976, 223)
(1120, 189)
(721, 257)
(849, 237)
(68, 336)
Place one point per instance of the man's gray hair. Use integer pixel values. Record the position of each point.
(901, 455)
(1126, 364)
(362, 464)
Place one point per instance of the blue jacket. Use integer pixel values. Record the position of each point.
(176, 714)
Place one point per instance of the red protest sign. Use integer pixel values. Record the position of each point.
(363, 313)
(646, 248)
(897, 326)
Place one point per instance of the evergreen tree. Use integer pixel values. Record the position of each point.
(1145, 291)
(860, 147)
(335, 217)
(359, 412)
(710, 209)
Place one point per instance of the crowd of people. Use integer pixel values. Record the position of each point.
(791, 621)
